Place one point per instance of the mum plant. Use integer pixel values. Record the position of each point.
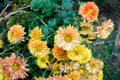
(55, 52)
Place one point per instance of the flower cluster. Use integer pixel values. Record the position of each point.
(69, 59)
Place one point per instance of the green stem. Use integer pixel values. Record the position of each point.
(6, 50)
(28, 57)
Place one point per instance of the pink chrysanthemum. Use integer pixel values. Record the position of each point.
(89, 11)
(105, 29)
(15, 67)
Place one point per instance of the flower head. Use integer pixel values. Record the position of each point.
(81, 54)
(16, 33)
(86, 27)
(59, 53)
(42, 61)
(58, 78)
(1, 43)
(100, 75)
(15, 67)
(89, 11)
(36, 33)
(38, 48)
(67, 38)
(94, 65)
(74, 75)
(105, 29)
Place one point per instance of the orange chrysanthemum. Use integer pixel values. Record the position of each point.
(74, 75)
(38, 48)
(36, 33)
(89, 11)
(59, 53)
(105, 29)
(58, 78)
(16, 33)
(15, 67)
(67, 38)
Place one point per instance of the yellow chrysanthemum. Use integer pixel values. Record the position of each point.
(56, 68)
(1, 43)
(38, 48)
(81, 54)
(105, 29)
(94, 65)
(16, 33)
(100, 75)
(3, 76)
(67, 38)
(86, 28)
(36, 33)
(43, 61)
(59, 53)
(89, 11)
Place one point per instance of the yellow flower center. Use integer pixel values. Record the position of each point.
(93, 65)
(89, 12)
(39, 49)
(15, 67)
(14, 34)
(68, 38)
(42, 60)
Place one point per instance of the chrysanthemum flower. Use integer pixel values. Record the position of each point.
(100, 75)
(89, 11)
(105, 29)
(67, 38)
(81, 54)
(42, 61)
(94, 65)
(1, 43)
(38, 48)
(59, 53)
(15, 67)
(74, 75)
(16, 33)
(92, 77)
(36, 33)
(91, 36)
(86, 27)
(58, 78)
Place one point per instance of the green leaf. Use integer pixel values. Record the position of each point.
(67, 4)
(36, 4)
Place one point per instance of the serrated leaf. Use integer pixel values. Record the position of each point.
(67, 4)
